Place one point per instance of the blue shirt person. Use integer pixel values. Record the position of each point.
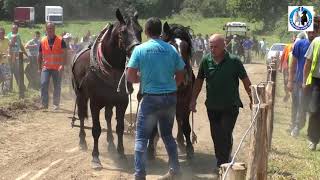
(160, 72)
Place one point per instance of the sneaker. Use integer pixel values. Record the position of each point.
(312, 146)
(170, 176)
(295, 132)
(55, 107)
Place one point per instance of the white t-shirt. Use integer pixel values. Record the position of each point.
(309, 57)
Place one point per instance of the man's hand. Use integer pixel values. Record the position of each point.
(290, 86)
(192, 106)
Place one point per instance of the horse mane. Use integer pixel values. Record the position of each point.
(183, 33)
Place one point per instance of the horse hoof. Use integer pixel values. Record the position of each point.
(122, 157)
(190, 152)
(83, 146)
(111, 147)
(96, 164)
(120, 150)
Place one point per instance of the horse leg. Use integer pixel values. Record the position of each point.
(120, 112)
(187, 131)
(151, 154)
(96, 131)
(108, 116)
(179, 117)
(82, 114)
(180, 138)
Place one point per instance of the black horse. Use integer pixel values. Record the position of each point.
(179, 36)
(97, 73)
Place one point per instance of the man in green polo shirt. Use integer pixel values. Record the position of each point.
(222, 72)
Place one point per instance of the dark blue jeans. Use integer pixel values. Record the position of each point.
(45, 80)
(153, 111)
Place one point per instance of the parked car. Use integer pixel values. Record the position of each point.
(276, 47)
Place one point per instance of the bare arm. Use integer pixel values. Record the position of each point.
(40, 61)
(195, 93)
(179, 77)
(132, 75)
(247, 83)
(292, 73)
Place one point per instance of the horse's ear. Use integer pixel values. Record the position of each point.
(166, 28)
(136, 15)
(120, 17)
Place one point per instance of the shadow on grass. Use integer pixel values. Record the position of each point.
(286, 153)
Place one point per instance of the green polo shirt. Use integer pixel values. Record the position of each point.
(222, 81)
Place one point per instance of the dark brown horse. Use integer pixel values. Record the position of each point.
(179, 36)
(97, 73)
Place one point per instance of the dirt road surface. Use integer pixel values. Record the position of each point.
(39, 144)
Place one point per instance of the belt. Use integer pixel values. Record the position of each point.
(162, 94)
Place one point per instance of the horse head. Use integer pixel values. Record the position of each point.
(180, 37)
(119, 39)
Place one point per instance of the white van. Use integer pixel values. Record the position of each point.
(54, 14)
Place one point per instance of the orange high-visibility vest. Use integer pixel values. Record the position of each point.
(52, 58)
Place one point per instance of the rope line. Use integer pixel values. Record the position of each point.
(245, 134)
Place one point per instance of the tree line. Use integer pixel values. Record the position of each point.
(266, 11)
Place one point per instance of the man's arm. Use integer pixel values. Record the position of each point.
(132, 75)
(247, 83)
(195, 93)
(40, 61)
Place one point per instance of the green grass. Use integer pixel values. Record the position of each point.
(290, 157)
(200, 25)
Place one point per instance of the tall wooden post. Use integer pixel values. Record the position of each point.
(258, 155)
(271, 90)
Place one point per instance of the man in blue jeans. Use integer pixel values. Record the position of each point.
(51, 60)
(295, 81)
(160, 72)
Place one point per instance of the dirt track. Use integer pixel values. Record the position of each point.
(42, 145)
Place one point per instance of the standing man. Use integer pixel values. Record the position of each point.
(247, 46)
(51, 61)
(311, 84)
(160, 72)
(263, 47)
(5, 73)
(31, 69)
(295, 81)
(15, 46)
(222, 72)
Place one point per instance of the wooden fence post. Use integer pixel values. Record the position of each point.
(236, 172)
(21, 76)
(258, 154)
(270, 90)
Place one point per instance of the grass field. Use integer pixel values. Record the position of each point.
(200, 25)
(290, 157)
